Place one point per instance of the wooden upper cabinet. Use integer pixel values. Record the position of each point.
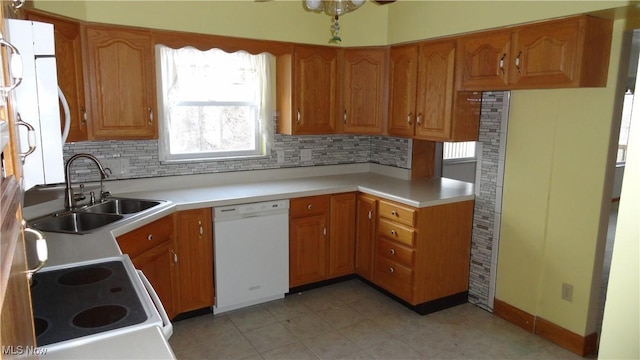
(307, 90)
(68, 46)
(120, 78)
(403, 72)
(482, 60)
(423, 101)
(572, 52)
(567, 53)
(363, 90)
(435, 90)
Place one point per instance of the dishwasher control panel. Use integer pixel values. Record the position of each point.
(251, 208)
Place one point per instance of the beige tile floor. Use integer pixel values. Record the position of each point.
(351, 320)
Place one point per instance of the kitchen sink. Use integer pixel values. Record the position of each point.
(74, 222)
(88, 218)
(120, 206)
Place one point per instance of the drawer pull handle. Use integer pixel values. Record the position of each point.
(309, 207)
(392, 251)
(394, 213)
(391, 270)
(150, 237)
(393, 232)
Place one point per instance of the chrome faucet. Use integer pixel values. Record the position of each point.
(69, 199)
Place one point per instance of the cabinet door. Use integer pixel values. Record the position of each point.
(435, 90)
(363, 90)
(121, 82)
(69, 67)
(342, 226)
(483, 61)
(315, 89)
(544, 55)
(158, 265)
(365, 235)
(194, 247)
(307, 250)
(403, 75)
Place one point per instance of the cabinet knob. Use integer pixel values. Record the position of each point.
(409, 118)
(391, 270)
(419, 119)
(518, 61)
(309, 207)
(345, 116)
(392, 251)
(150, 237)
(393, 232)
(299, 117)
(83, 122)
(502, 63)
(394, 213)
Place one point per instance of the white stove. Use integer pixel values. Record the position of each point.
(91, 301)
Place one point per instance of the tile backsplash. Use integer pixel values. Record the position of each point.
(143, 160)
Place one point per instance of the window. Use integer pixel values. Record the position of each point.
(213, 104)
(459, 150)
(625, 125)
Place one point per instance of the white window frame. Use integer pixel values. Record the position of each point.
(263, 126)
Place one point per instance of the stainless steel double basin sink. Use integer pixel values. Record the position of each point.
(89, 218)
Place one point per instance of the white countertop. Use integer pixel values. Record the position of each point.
(68, 248)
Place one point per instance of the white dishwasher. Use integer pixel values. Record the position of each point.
(251, 254)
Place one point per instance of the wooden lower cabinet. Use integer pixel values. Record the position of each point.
(194, 251)
(151, 250)
(176, 254)
(307, 250)
(422, 254)
(365, 235)
(321, 238)
(158, 266)
(342, 234)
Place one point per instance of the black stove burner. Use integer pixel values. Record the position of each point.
(82, 301)
(99, 316)
(40, 325)
(85, 276)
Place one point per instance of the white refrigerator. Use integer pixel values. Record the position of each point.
(36, 102)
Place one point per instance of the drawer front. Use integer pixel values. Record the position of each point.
(308, 206)
(394, 278)
(402, 214)
(142, 239)
(395, 252)
(396, 232)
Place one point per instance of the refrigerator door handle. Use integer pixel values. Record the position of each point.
(31, 137)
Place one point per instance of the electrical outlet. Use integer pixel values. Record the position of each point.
(305, 155)
(280, 156)
(124, 166)
(113, 165)
(567, 292)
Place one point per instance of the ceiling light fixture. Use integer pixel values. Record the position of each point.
(334, 8)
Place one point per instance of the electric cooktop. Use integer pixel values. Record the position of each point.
(83, 300)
